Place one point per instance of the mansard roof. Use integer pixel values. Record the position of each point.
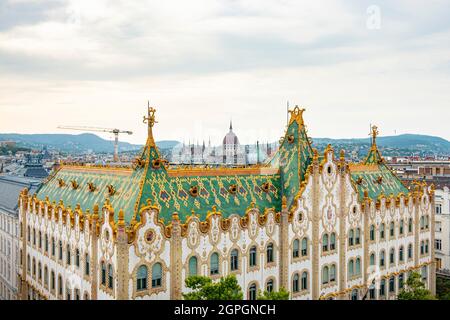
(151, 181)
(374, 176)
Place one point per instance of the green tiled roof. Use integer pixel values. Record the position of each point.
(374, 176)
(293, 159)
(170, 190)
(126, 183)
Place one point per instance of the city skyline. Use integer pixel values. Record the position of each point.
(201, 64)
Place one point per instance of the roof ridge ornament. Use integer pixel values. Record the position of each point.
(296, 115)
(374, 134)
(150, 121)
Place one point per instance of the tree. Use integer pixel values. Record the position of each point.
(203, 288)
(280, 295)
(443, 288)
(415, 289)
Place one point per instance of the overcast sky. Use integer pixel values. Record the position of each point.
(204, 62)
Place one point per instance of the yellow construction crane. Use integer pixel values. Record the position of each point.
(116, 133)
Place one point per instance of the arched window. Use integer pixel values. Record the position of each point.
(325, 242)
(372, 259)
(422, 247)
(351, 239)
(40, 240)
(358, 236)
(392, 285)
(424, 273)
(60, 286)
(410, 251)
(325, 275)
(305, 281)
(382, 287)
(401, 281)
(252, 257)
(426, 222)
(60, 250)
(410, 225)
(39, 271)
(68, 255)
(252, 292)
(382, 231)
(52, 280)
(382, 259)
(157, 275)
(392, 256)
(214, 264)
(392, 230)
(110, 277)
(351, 268)
(401, 227)
(358, 266)
(34, 236)
(77, 294)
(333, 241)
(28, 234)
(53, 246)
(400, 254)
(304, 247)
(86, 296)
(28, 263)
(77, 258)
(193, 266)
(34, 267)
(295, 283)
(103, 270)
(87, 266)
(46, 243)
(45, 276)
(270, 255)
(355, 294)
(141, 278)
(427, 244)
(234, 260)
(372, 233)
(269, 286)
(333, 273)
(296, 249)
(422, 222)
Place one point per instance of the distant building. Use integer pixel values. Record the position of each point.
(442, 242)
(10, 188)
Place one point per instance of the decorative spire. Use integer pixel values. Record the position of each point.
(374, 135)
(231, 125)
(296, 115)
(150, 120)
(374, 156)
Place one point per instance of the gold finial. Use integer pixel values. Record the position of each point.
(150, 119)
(284, 202)
(121, 220)
(296, 115)
(374, 135)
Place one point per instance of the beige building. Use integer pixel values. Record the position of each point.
(311, 223)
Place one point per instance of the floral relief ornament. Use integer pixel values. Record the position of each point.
(235, 228)
(215, 230)
(193, 234)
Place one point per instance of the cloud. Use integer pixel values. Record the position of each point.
(80, 61)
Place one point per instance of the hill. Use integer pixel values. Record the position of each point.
(67, 142)
(401, 145)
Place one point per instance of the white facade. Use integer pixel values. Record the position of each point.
(9, 256)
(329, 246)
(442, 243)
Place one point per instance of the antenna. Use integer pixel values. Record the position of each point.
(287, 114)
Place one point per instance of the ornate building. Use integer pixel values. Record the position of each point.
(313, 224)
(10, 189)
